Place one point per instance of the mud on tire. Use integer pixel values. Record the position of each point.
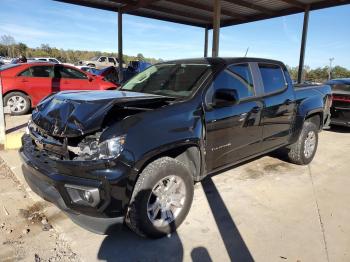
(302, 152)
(157, 173)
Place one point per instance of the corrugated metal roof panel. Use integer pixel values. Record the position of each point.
(199, 12)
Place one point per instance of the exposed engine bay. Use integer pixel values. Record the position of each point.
(52, 132)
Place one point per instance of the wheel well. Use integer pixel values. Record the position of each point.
(19, 91)
(189, 155)
(316, 118)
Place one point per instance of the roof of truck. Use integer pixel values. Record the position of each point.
(225, 60)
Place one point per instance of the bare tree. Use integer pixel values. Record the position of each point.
(9, 42)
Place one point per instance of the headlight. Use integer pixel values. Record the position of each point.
(112, 147)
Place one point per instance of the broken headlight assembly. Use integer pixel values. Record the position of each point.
(90, 149)
(111, 148)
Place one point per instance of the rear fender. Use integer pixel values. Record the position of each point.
(310, 106)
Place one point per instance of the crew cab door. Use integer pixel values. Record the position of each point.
(279, 105)
(68, 78)
(233, 131)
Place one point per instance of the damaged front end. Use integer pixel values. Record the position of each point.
(86, 147)
(70, 125)
(76, 156)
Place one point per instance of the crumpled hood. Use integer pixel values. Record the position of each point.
(75, 113)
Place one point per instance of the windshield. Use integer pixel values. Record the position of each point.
(175, 80)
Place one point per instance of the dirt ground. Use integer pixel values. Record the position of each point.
(25, 232)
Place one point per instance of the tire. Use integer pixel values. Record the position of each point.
(18, 103)
(167, 171)
(92, 65)
(301, 152)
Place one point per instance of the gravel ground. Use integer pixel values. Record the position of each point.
(25, 232)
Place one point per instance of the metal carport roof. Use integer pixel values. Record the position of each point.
(200, 12)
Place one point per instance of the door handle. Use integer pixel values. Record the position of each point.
(255, 109)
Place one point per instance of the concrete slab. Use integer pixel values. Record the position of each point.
(265, 210)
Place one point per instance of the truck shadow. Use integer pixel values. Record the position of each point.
(339, 129)
(124, 245)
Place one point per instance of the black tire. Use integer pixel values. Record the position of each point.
(297, 154)
(137, 218)
(21, 110)
(92, 65)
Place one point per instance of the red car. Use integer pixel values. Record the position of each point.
(24, 85)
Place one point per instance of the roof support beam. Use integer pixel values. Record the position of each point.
(139, 4)
(120, 45)
(206, 42)
(303, 44)
(205, 7)
(295, 3)
(252, 6)
(184, 14)
(216, 28)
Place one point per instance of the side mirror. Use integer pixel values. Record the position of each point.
(225, 97)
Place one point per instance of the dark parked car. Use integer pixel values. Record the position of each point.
(134, 154)
(340, 109)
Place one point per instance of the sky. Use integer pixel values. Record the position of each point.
(73, 27)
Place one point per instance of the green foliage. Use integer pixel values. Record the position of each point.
(8, 47)
(320, 74)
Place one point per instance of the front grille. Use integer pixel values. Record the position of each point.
(45, 142)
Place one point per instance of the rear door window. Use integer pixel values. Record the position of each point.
(111, 60)
(38, 71)
(273, 78)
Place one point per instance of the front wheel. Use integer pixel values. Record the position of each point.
(18, 103)
(303, 151)
(161, 199)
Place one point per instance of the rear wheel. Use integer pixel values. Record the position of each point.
(161, 199)
(92, 65)
(18, 103)
(303, 151)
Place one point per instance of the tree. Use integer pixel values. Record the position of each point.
(46, 48)
(8, 41)
(340, 72)
(21, 48)
(140, 57)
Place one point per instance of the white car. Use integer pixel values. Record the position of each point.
(48, 59)
(5, 60)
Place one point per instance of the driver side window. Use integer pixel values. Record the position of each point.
(236, 77)
(102, 59)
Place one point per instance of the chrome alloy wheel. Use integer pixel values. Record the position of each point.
(309, 144)
(17, 104)
(166, 201)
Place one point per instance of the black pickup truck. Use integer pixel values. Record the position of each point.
(133, 155)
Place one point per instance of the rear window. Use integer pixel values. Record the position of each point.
(8, 66)
(38, 71)
(272, 77)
